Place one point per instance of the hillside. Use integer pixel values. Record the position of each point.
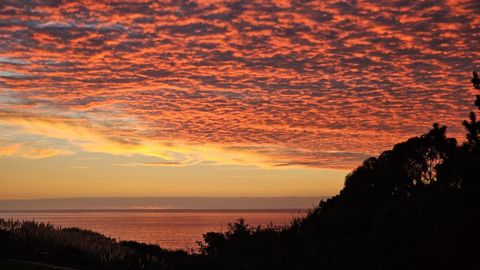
(414, 206)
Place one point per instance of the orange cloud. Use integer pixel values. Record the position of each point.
(9, 150)
(29, 151)
(316, 84)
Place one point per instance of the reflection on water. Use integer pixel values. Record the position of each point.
(168, 228)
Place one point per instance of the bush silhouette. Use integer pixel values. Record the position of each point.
(414, 206)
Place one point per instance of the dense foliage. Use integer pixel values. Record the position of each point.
(415, 206)
(412, 207)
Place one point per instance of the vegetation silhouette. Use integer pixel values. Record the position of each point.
(84, 249)
(414, 206)
(476, 80)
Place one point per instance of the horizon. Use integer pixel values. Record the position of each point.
(161, 203)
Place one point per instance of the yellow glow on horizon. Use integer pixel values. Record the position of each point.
(96, 162)
(97, 176)
(91, 138)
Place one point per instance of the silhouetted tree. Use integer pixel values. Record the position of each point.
(414, 206)
(473, 129)
(400, 171)
(473, 126)
(476, 80)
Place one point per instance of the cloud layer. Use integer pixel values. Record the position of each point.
(283, 83)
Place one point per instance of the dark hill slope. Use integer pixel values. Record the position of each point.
(414, 206)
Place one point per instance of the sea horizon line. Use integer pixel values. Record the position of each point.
(163, 203)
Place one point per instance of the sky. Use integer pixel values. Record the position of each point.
(222, 98)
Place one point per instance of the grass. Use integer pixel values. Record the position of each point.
(25, 265)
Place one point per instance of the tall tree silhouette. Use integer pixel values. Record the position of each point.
(476, 80)
(473, 126)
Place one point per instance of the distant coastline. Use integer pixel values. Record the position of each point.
(147, 210)
(162, 203)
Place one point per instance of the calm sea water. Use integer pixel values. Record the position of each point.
(173, 229)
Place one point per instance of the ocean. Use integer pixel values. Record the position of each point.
(172, 229)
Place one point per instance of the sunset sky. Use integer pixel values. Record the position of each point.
(222, 98)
